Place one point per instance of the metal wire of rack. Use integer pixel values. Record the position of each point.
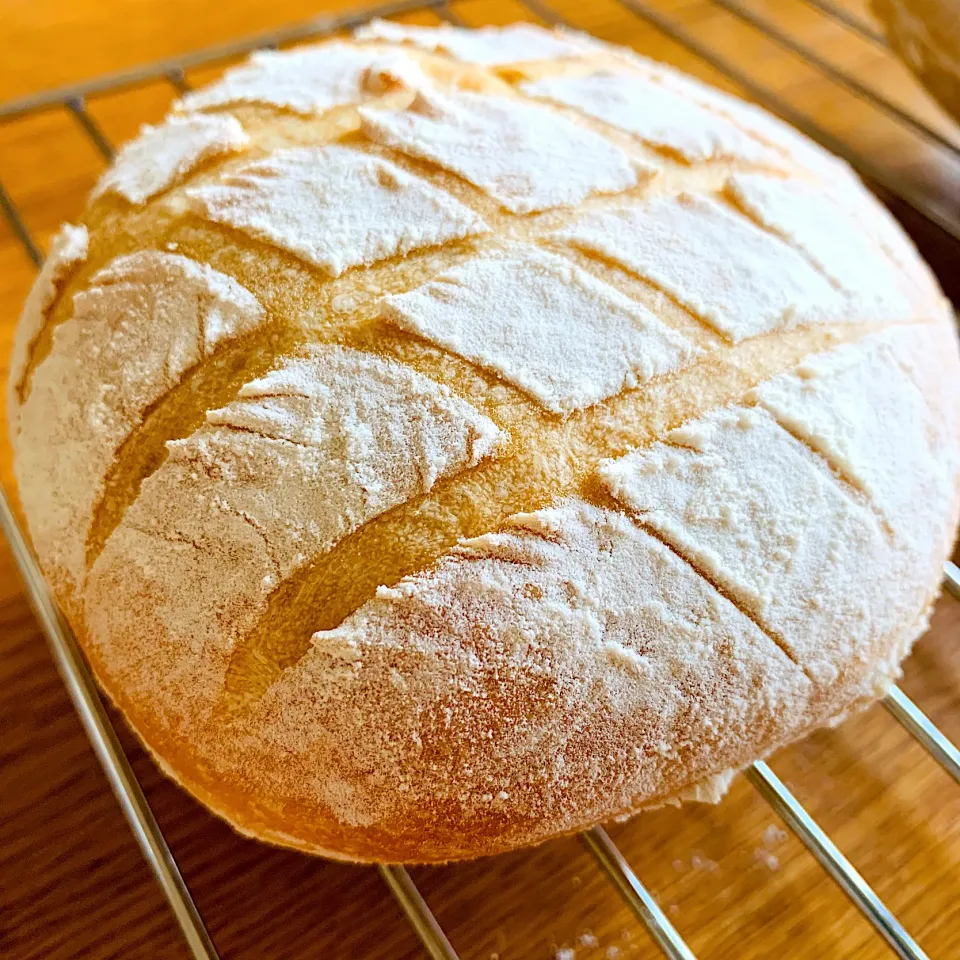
(73, 666)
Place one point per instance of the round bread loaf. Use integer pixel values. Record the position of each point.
(926, 35)
(444, 440)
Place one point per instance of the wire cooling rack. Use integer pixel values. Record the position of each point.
(79, 681)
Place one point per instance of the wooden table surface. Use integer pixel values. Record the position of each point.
(72, 882)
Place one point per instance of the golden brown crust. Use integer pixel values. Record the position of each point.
(473, 493)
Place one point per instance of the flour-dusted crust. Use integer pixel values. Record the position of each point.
(544, 325)
(444, 440)
(674, 676)
(143, 321)
(741, 280)
(655, 114)
(303, 457)
(307, 81)
(162, 155)
(333, 207)
(830, 237)
(67, 251)
(524, 157)
(787, 543)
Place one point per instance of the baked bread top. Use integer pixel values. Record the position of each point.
(441, 440)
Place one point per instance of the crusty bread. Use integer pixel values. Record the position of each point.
(444, 440)
(926, 35)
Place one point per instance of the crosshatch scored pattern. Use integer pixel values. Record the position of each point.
(530, 390)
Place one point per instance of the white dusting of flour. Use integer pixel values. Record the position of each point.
(543, 324)
(162, 155)
(653, 113)
(736, 277)
(525, 156)
(144, 320)
(306, 81)
(334, 208)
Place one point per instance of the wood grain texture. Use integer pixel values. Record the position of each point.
(71, 879)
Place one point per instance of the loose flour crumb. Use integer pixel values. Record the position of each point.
(773, 834)
(766, 858)
(704, 863)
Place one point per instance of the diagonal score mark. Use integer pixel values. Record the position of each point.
(573, 444)
(181, 410)
(302, 310)
(734, 204)
(161, 223)
(548, 460)
(332, 125)
(599, 496)
(737, 603)
(306, 311)
(341, 122)
(658, 298)
(849, 484)
(117, 228)
(100, 251)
